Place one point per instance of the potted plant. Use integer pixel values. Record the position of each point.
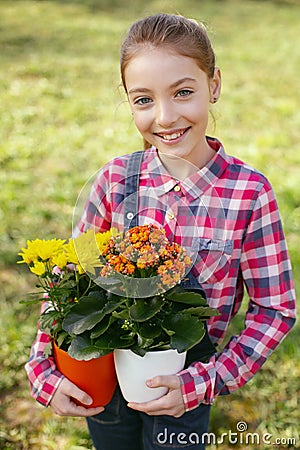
(63, 281)
(147, 315)
(117, 292)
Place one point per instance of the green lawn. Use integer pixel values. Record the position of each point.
(63, 114)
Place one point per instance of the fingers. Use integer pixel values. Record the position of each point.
(63, 405)
(169, 381)
(71, 390)
(170, 404)
(69, 408)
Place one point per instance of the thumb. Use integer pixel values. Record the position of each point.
(169, 381)
(73, 391)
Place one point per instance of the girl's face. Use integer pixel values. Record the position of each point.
(169, 97)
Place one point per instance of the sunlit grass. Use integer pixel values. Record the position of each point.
(63, 114)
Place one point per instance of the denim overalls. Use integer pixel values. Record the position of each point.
(121, 428)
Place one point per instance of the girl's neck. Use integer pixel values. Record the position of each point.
(181, 168)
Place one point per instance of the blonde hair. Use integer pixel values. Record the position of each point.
(185, 36)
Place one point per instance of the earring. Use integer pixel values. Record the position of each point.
(215, 99)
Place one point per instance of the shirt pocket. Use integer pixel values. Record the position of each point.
(214, 258)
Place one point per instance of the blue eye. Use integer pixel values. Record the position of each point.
(184, 93)
(142, 101)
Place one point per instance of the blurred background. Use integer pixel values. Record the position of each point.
(63, 115)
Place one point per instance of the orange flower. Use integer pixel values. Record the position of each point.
(147, 260)
(146, 247)
(158, 236)
(161, 269)
(167, 279)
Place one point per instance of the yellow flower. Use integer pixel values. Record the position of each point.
(27, 255)
(39, 249)
(70, 252)
(103, 238)
(38, 268)
(60, 260)
(85, 250)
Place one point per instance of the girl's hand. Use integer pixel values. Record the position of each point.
(63, 405)
(170, 404)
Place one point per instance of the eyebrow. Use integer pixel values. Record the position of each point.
(173, 85)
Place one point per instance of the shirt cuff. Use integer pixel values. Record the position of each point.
(197, 384)
(188, 391)
(49, 388)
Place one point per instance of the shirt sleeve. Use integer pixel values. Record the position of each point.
(43, 376)
(97, 210)
(266, 272)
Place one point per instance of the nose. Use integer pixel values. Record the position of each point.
(166, 114)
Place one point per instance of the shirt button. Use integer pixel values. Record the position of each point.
(177, 188)
(129, 215)
(170, 215)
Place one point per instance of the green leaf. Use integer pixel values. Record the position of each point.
(47, 319)
(187, 297)
(167, 330)
(31, 301)
(62, 336)
(88, 312)
(121, 314)
(114, 340)
(101, 327)
(48, 350)
(144, 309)
(149, 330)
(81, 348)
(188, 331)
(145, 342)
(202, 311)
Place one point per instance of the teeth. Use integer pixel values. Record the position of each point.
(169, 137)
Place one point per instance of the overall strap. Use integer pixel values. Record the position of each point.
(131, 199)
(191, 283)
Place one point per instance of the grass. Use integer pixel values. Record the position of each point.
(63, 114)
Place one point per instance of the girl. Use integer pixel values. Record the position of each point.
(185, 182)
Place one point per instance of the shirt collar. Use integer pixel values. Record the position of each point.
(192, 186)
(154, 170)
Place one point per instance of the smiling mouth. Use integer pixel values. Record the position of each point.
(172, 136)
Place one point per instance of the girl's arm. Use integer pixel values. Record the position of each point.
(50, 387)
(266, 271)
(43, 376)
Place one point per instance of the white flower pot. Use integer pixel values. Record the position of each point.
(133, 371)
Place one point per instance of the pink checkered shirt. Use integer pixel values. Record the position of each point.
(227, 217)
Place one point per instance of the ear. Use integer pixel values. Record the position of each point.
(215, 86)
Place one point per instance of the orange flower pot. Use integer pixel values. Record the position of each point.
(97, 377)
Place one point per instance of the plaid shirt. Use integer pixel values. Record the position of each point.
(227, 218)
